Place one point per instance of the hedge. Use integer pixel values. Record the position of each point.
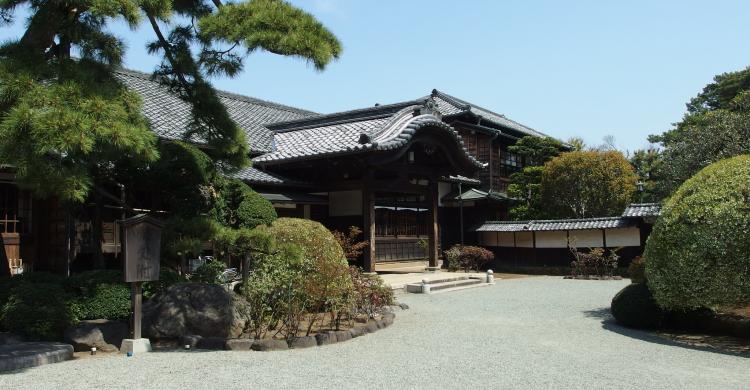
(699, 251)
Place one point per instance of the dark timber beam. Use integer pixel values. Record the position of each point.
(368, 212)
(434, 234)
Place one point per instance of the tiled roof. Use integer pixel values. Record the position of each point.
(377, 128)
(640, 210)
(255, 176)
(475, 194)
(169, 115)
(450, 105)
(555, 224)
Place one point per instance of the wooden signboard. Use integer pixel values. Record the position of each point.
(142, 248)
(142, 255)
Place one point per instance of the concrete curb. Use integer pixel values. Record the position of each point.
(25, 355)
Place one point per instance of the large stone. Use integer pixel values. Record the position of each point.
(357, 331)
(388, 319)
(304, 342)
(371, 326)
(104, 335)
(269, 345)
(191, 341)
(206, 310)
(24, 355)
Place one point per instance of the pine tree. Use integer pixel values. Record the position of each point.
(65, 121)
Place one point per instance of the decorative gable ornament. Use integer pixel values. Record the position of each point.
(430, 107)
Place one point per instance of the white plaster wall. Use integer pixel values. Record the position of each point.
(443, 190)
(586, 238)
(623, 237)
(490, 238)
(524, 240)
(505, 239)
(345, 203)
(552, 239)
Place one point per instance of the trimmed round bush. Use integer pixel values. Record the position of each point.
(209, 272)
(244, 208)
(699, 251)
(328, 283)
(634, 306)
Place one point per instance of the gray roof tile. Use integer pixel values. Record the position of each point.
(640, 210)
(555, 224)
(169, 115)
(255, 176)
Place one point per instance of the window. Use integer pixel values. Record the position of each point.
(509, 163)
(15, 209)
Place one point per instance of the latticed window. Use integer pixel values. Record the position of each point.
(15, 209)
(509, 163)
(483, 149)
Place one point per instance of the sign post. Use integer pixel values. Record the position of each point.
(142, 249)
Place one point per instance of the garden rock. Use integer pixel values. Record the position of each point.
(211, 343)
(304, 342)
(388, 319)
(269, 345)
(403, 306)
(238, 344)
(343, 335)
(206, 310)
(357, 331)
(371, 326)
(326, 338)
(104, 335)
(191, 340)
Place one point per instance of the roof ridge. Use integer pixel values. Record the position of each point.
(379, 111)
(226, 94)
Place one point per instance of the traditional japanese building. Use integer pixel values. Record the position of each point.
(414, 175)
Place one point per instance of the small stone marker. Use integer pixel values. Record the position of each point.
(142, 255)
(425, 286)
(490, 277)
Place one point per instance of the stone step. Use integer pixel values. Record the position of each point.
(446, 283)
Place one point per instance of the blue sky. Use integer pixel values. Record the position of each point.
(574, 68)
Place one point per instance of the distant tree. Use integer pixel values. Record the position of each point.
(576, 144)
(525, 185)
(587, 184)
(646, 163)
(716, 126)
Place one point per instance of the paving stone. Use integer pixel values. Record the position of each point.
(24, 355)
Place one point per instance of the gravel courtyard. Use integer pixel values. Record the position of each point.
(541, 332)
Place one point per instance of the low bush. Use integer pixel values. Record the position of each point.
(634, 307)
(637, 270)
(109, 301)
(699, 250)
(596, 262)
(327, 283)
(38, 311)
(467, 257)
(372, 293)
(82, 283)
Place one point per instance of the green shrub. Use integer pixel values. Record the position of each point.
(327, 282)
(241, 207)
(634, 306)
(38, 311)
(699, 251)
(108, 301)
(209, 272)
(637, 270)
(372, 293)
(467, 257)
(84, 282)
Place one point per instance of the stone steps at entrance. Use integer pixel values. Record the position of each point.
(447, 284)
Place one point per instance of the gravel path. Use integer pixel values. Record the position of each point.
(525, 333)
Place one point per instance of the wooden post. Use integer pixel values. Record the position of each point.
(434, 234)
(137, 297)
(368, 212)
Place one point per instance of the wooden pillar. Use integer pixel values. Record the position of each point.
(368, 225)
(434, 234)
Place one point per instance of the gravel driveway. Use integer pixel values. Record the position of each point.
(526, 333)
